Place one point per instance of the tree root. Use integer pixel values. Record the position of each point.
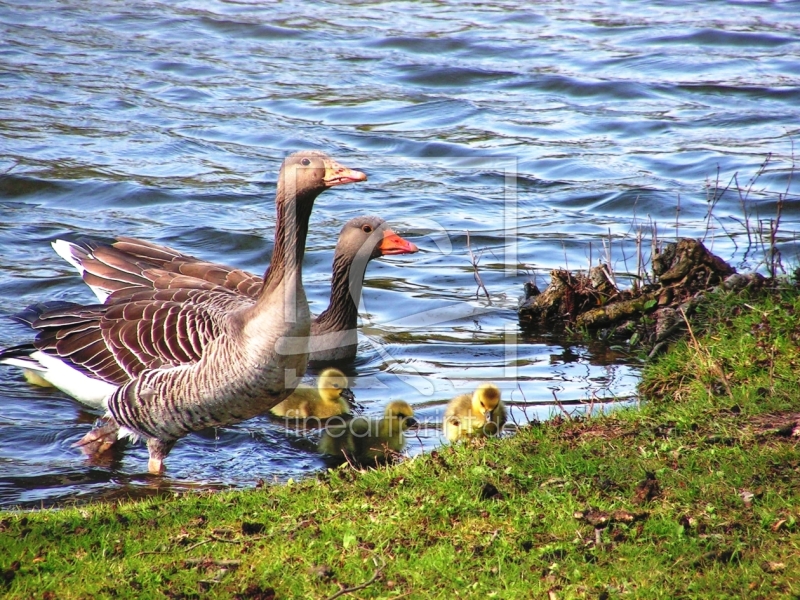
(684, 272)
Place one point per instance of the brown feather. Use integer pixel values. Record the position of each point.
(148, 251)
(132, 263)
(67, 345)
(105, 282)
(146, 329)
(144, 337)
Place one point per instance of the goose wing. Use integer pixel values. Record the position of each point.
(131, 263)
(145, 329)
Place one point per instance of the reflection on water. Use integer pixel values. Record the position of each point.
(552, 138)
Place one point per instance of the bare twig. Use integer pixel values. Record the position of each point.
(774, 253)
(715, 197)
(743, 198)
(560, 406)
(146, 552)
(590, 409)
(211, 561)
(714, 365)
(634, 227)
(208, 540)
(476, 274)
(215, 538)
(640, 275)
(608, 269)
(524, 406)
(495, 533)
(350, 462)
(791, 171)
(349, 590)
(653, 245)
(417, 436)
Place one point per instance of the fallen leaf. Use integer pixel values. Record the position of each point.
(769, 566)
(779, 524)
(553, 481)
(596, 518)
(321, 571)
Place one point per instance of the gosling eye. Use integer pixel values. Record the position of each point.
(483, 405)
(366, 228)
(305, 162)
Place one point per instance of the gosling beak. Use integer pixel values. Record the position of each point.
(487, 415)
(394, 244)
(336, 174)
(410, 422)
(347, 394)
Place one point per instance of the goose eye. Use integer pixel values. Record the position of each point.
(366, 228)
(305, 162)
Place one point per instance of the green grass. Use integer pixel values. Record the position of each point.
(696, 494)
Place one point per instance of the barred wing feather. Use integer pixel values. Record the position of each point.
(150, 329)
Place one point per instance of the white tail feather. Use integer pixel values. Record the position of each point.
(70, 252)
(90, 392)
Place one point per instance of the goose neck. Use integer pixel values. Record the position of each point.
(347, 280)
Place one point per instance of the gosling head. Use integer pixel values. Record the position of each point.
(485, 400)
(401, 411)
(333, 384)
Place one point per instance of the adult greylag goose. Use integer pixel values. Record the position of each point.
(328, 399)
(369, 440)
(478, 414)
(171, 360)
(128, 263)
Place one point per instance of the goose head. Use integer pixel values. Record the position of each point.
(310, 172)
(371, 236)
(485, 400)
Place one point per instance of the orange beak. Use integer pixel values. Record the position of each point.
(394, 244)
(336, 174)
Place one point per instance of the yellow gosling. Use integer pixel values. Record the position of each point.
(478, 414)
(328, 399)
(369, 440)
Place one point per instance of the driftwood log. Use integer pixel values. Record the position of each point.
(682, 271)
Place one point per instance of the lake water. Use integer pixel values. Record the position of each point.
(549, 131)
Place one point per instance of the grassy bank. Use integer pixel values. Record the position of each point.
(696, 494)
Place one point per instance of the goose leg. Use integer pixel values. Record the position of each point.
(158, 452)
